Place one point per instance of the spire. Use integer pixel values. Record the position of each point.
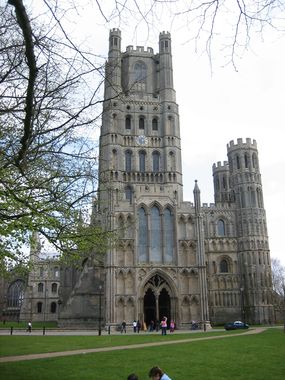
(197, 200)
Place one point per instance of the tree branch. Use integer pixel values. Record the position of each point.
(24, 24)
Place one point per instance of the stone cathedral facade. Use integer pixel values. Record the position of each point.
(187, 261)
(184, 260)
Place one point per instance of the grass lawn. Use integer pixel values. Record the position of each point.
(251, 357)
(29, 344)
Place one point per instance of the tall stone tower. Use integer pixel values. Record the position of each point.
(252, 238)
(140, 187)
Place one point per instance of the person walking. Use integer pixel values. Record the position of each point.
(123, 327)
(163, 324)
(172, 326)
(135, 326)
(156, 373)
(29, 328)
(138, 326)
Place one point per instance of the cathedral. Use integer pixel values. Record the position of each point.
(188, 261)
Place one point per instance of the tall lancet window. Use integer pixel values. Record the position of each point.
(156, 235)
(128, 161)
(140, 72)
(142, 235)
(142, 161)
(156, 162)
(168, 236)
(155, 240)
(221, 228)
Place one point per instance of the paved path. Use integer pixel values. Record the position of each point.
(7, 359)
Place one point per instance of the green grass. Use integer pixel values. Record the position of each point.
(248, 357)
(29, 344)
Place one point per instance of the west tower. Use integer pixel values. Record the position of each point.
(141, 182)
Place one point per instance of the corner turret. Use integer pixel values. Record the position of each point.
(222, 191)
(113, 66)
(167, 92)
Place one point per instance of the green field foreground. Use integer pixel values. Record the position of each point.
(240, 356)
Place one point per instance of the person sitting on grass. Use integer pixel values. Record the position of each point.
(132, 376)
(156, 373)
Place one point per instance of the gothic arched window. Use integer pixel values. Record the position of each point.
(154, 124)
(56, 272)
(156, 235)
(140, 71)
(221, 228)
(53, 307)
(142, 235)
(155, 162)
(128, 193)
(237, 161)
(224, 267)
(155, 241)
(168, 233)
(142, 156)
(246, 160)
(254, 161)
(54, 287)
(128, 123)
(141, 122)
(39, 307)
(128, 161)
(40, 287)
(15, 294)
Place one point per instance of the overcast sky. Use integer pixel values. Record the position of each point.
(227, 105)
(217, 104)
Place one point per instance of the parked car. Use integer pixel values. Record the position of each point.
(236, 325)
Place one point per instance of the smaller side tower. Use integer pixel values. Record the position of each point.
(167, 92)
(113, 85)
(252, 238)
(222, 191)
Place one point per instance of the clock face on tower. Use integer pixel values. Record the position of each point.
(141, 140)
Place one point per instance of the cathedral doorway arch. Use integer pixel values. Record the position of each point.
(157, 300)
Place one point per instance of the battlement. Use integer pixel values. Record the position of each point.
(241, 145)
(164, 35)
(139, 49)
(219, 167)
(115, 31)
(208, 205)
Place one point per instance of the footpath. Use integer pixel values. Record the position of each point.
(6, 359)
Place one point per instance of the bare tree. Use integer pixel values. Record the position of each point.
(278, 276)
(278, 281)
(48, 112)
(218, 27)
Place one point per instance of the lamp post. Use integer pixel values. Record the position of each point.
(242, 304)
(45, 306)
(100, 301)
(59, 302)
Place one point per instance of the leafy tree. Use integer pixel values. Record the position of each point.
(48, 112)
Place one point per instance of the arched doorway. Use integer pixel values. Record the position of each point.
(164, 305)
(149, 306)
(157, 300)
